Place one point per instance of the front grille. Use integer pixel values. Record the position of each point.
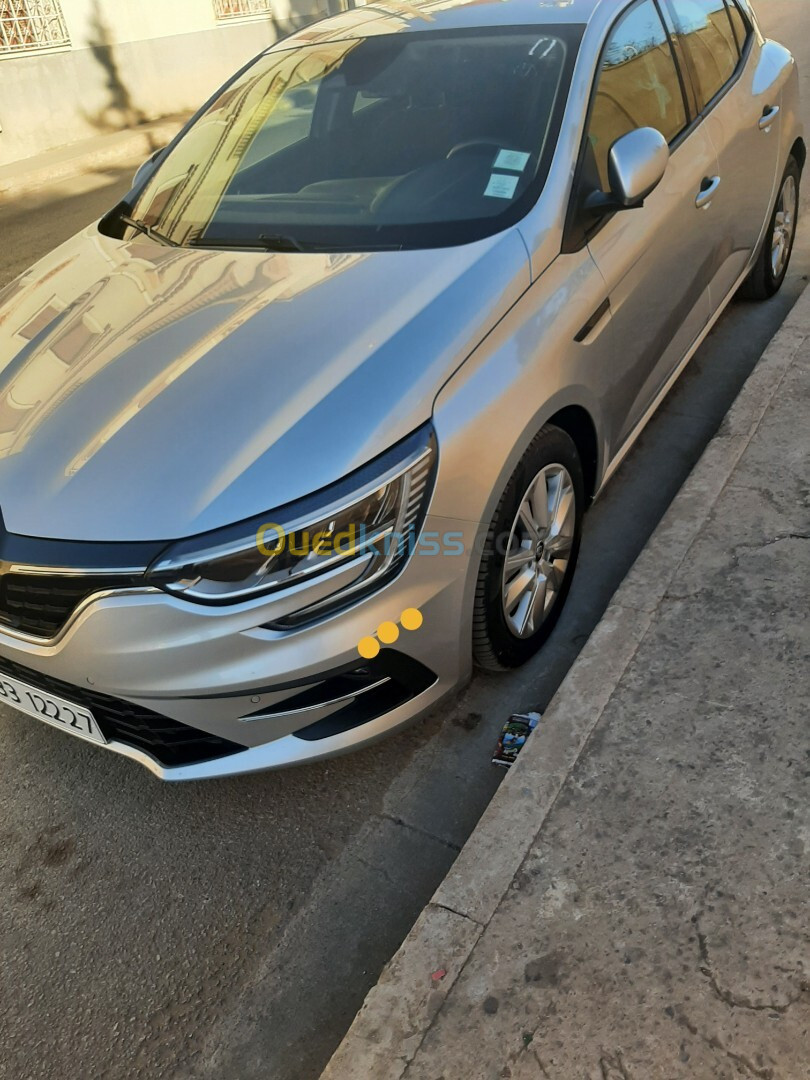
(41, 604)
(168, 741)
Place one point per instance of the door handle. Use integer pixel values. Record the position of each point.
(768, 117)
(594, 321)
(708, 190)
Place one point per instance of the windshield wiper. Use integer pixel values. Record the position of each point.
(285, 242)
(147, 230)
(265, 242)
(280, 242)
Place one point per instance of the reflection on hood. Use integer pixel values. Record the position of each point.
(68, 341)
(150, 393)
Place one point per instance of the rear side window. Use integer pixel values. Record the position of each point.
(638, 86)
(739, 24)
(709, 42)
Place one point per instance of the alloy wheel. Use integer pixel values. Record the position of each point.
(539, 550)
(784, 226)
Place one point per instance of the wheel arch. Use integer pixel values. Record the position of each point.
(578, 424)
(799, 151)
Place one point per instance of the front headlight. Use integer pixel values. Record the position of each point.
(359, 533)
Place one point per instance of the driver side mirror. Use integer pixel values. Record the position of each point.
(147, 168)
(636, 166)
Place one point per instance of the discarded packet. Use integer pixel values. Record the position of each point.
(513, 738)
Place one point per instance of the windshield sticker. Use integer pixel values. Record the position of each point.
(511, 159)
(501, 186)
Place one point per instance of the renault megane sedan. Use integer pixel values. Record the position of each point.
(305, 427)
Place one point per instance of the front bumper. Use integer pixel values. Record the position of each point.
(257, 698)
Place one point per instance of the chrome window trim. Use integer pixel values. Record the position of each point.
(745, 21)
(701, 114)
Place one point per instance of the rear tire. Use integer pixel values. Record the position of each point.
(530, 554)
(768, 273)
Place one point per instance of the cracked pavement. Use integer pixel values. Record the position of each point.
(657, 928)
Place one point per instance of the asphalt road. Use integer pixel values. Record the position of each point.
(231, 929)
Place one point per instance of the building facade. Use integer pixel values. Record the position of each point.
(70, 69)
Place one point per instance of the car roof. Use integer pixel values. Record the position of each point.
(403, 16)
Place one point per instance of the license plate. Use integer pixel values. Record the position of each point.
(53, 710)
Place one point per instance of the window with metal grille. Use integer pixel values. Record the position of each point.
(238, 9)
(31, 25)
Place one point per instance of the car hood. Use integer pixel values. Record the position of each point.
(150, 393)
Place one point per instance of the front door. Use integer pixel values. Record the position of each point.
(656, 260)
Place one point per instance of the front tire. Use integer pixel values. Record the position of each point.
(768, 273)
(530, 554)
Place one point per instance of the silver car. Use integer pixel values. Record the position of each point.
(305, 427)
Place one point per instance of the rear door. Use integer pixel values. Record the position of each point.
(656, 260)
(739, 104)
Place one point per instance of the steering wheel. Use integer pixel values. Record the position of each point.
(474, 144)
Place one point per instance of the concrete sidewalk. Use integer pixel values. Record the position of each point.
(634, 902)
(132, 146)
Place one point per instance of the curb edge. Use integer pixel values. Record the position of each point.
(399, 1010)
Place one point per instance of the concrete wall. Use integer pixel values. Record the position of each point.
(128, 63)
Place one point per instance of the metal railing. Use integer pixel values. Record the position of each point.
(238, 9)
(31, 26)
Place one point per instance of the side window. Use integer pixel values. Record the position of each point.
(638, 86)
(707, 35)
(739, 24)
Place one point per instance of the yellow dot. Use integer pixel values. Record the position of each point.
(368, 648)
(412, 618)
(388, 632)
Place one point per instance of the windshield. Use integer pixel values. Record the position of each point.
(402, 140)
